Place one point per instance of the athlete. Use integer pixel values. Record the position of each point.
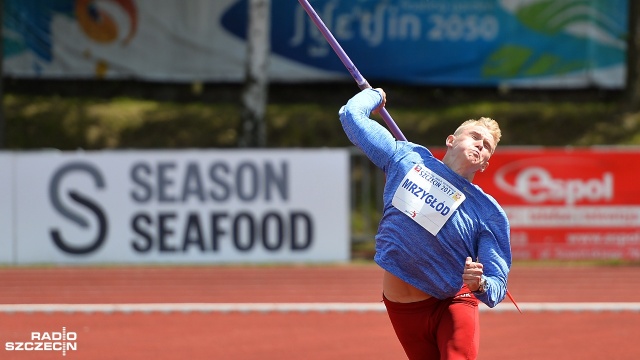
(442, 241)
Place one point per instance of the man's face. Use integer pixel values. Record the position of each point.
(472, 148)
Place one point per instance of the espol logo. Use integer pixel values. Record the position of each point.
(545, 183)
(62, 341)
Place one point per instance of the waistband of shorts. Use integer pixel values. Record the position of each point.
(411, 306)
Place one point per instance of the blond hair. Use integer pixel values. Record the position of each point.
(485, 122)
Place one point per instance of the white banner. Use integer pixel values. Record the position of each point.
(6, 201)
(196, 206)
(163, 40)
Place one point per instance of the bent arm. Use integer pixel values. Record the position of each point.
(494, 252)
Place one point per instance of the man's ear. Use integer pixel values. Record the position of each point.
(449, 140)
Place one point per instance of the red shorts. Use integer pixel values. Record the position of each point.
(438, 329)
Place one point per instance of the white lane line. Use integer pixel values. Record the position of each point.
(295, 307)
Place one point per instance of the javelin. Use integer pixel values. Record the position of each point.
(360, 80)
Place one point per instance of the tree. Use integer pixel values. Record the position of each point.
(255, 93)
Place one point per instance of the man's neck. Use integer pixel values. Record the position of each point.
(460, 171)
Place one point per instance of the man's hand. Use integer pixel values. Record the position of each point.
(472, 274)
(384, 101)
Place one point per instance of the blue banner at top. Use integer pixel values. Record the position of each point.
(526, 43)
(458, 42)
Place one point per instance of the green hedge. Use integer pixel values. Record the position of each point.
(307, 117)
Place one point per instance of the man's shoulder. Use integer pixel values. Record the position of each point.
(484, 199)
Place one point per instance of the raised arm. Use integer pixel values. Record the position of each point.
(365, 133)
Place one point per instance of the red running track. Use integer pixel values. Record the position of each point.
(308, 335)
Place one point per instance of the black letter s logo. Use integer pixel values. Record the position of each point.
(54, 196)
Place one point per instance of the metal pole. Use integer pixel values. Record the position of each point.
(3, 120)
(256, 90)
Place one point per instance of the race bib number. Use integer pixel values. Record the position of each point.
(427, 198)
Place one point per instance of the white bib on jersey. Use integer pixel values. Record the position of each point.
(427, 198)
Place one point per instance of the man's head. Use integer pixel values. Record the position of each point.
(471, 146)
(485, 122)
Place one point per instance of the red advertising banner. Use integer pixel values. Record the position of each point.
(568, 203)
